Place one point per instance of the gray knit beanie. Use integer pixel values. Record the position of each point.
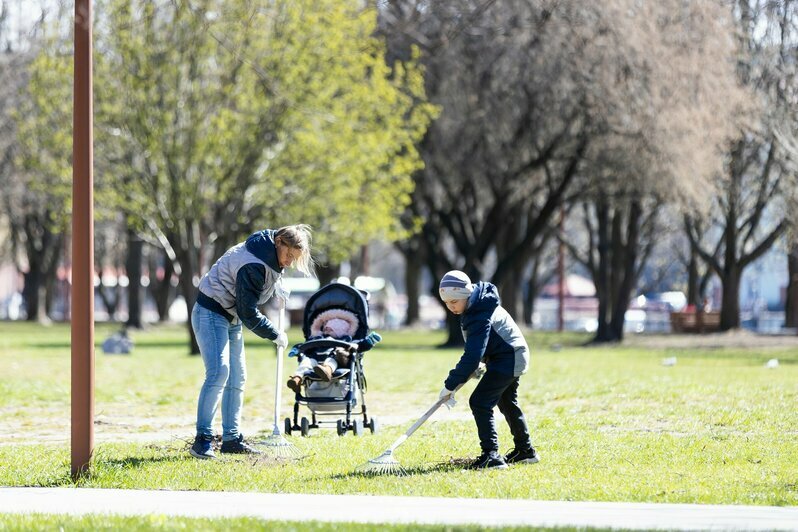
(455, 285)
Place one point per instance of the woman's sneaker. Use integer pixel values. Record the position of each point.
(527, 456)
(203, 447)
(238, 446)
(491, 460)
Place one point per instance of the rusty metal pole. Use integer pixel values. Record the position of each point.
(82, 246)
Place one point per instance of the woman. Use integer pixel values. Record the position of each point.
(244, 278)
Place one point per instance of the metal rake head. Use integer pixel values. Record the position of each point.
(384, 464)
(277, 445)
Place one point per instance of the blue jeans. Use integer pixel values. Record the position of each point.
(498, 389)
(222, 348)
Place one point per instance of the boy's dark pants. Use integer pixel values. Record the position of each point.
(498, 389)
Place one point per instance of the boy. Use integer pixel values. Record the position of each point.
(490, 335)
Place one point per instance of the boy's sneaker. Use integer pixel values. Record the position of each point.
(324, 371)
(524, 456)
(203, 447)
(491, 460)
(238, 446)
(295, 384)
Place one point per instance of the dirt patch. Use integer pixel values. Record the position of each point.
(122, 428)
(732, 339)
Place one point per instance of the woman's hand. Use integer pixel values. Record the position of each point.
(282, 340)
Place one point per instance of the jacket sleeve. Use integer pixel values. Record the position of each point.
(368, 342)
(250, 282)
(477, 333)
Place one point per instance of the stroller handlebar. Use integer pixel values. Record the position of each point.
(324, 343)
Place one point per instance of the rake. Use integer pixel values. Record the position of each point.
(276, 444)
(386, 464)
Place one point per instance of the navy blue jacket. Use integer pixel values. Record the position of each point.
(241, 280)
(491, 335)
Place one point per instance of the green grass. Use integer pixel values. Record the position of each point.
(610, 423)
(98, 523)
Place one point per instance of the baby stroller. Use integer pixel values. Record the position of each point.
(343, 397)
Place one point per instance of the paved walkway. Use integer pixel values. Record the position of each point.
(383, 509)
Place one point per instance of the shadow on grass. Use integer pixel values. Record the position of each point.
(410, 346)
(146, 344)
(138, 461)
(397, 470)
(98, 467)
(46, 345)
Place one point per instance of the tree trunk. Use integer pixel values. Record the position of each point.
(189, 272)
(454, 338)
(791, 303)
(531, 293)
(730, 306)
(602, 276)
(109, 295)
(618, 250)
(193, 345)
(30, 293)
(694, 295)
(627, 251)
(511, 296)
(327, 273)
(162, 288)
(135, 247)
(34, 293)
(413, 269)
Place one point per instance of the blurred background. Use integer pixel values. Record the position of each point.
(615, 167)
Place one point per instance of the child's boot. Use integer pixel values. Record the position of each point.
(324, 371)
(295, 383)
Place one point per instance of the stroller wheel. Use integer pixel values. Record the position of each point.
(357, 427)
(341, 427)
(288, 426)
(373, 425)
(305, 426)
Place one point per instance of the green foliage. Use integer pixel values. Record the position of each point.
(611, 424)
(239, 115)
(44, 134)
(217, 117)
(97, 523)
(348, 151)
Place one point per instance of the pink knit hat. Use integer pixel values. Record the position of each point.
(334, 322)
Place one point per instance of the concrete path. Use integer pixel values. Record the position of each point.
(383, 509)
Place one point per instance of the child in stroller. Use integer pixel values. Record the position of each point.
(335, 324)
(330, 380)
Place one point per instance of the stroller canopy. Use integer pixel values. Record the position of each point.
(338, 295)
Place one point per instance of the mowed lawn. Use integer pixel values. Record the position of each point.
(610, 423)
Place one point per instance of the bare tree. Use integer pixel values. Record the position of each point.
(505, 115)
(786, 133)
(747, 215)
(622, 102)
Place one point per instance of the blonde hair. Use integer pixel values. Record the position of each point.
(299, 237)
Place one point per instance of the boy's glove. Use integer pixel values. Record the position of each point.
(282, 340)
(294, 352)
(480, 371)
(373, 339)
(446, 392)
(369, 341)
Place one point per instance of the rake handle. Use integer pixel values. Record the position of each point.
(420, 421)
(278, 391)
